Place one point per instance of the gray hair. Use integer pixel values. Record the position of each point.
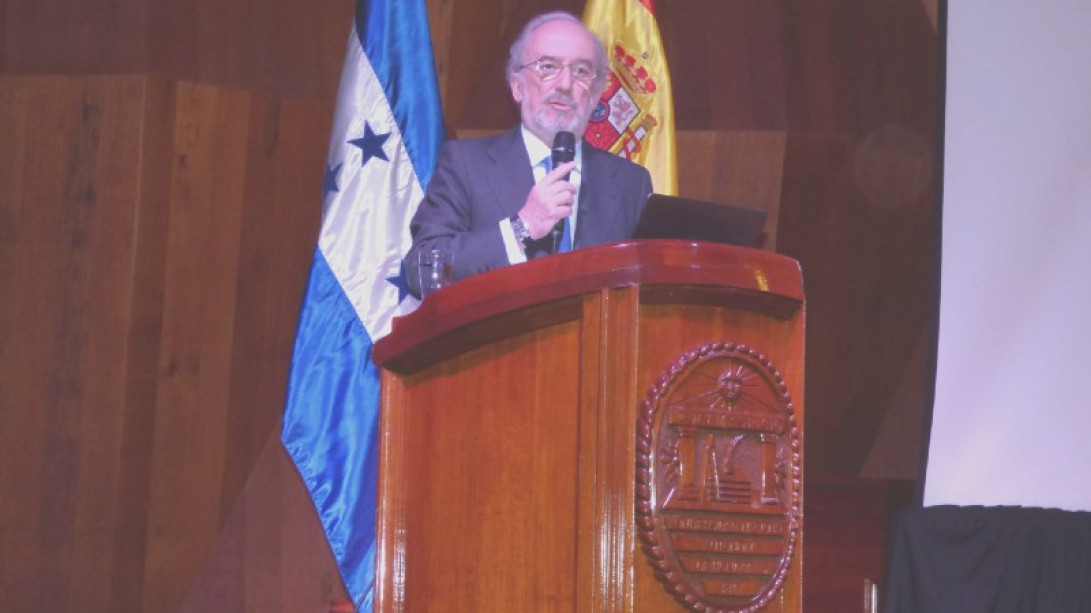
(515, 60)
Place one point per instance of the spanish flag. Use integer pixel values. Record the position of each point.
(635, 116)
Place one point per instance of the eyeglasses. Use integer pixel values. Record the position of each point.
(547, 69)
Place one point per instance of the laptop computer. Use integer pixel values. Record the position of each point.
(688, 219)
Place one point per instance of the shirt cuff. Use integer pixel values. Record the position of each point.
(515, 253)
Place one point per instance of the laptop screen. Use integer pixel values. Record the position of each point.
(687, 219)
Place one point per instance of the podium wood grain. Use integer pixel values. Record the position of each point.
(510, 403)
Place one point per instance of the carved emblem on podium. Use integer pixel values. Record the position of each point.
(718, 479)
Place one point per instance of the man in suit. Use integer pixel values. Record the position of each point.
(494, 201)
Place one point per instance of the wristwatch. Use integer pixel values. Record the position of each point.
(520, 229)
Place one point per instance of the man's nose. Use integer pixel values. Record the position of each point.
(564, 78)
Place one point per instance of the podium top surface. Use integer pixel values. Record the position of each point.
(689, 271)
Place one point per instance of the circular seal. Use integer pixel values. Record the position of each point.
(718, 479)
(601, 112)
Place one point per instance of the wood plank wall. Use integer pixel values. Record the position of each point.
(160, 171)
(156, 240)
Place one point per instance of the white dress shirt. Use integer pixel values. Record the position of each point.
(538, 152)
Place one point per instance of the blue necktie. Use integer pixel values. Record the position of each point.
(566, 236)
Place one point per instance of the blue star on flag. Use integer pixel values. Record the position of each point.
(329, 183)
(371, 145)
(399, 282)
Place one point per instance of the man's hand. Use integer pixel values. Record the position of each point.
(549, 201)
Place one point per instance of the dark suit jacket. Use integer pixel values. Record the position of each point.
(480, 181)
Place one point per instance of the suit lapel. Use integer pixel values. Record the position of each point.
(599, 196)
(510, 175)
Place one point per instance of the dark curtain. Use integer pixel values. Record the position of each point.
(949, 559)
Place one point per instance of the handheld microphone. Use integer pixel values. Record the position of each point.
(564, 150)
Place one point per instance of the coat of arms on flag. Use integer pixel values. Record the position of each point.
(635, 114)
(625, 114)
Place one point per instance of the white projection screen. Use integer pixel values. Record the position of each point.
(1011, 423)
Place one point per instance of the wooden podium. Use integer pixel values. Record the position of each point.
(612, 429)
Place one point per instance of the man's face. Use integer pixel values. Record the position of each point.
(562, 103)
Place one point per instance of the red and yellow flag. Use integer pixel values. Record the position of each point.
(635, 116)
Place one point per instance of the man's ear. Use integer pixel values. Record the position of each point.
(517, 91)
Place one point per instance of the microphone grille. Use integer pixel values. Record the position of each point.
(564, 147)
(564, 140)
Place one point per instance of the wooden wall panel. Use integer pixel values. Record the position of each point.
(58, 37)
(155, 242)
(468, 43)
(280, 47)
(284, 47)
(728, 63)
(144, 337)
(65, 263)
(205, 209)
(242, 230)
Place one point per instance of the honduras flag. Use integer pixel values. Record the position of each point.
(386, 135)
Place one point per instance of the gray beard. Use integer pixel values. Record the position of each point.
(550, 125)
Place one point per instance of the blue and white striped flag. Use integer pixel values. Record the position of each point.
(386, 135)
